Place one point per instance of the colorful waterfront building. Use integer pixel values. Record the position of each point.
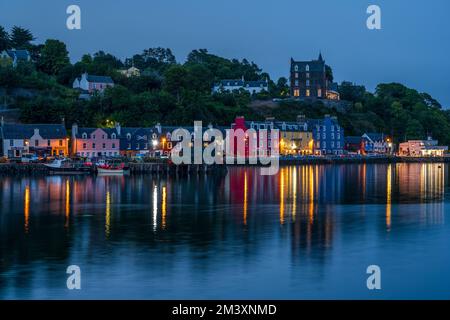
(137, 141)
(42, 140)
(241, 123)
(379, 143)
(422, 148)
(295, 138)
(95, 142)
(328, 136)
(355, 144)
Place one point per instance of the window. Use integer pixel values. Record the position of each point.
(93, 136)
(296, 83)
(36, 143)
(103, 136)
(113, 136)
(104, 146)
(49, 143)
(296, 93)
(307, 93)
(296, 75)
(319, 92)
(307, 74)
(60, 143)
(296, 68)
(332, 144)
(324, 136)
(332, 135)
(338, 145)
(324, 145)
(332, 128)
(129, 146)
(93, 146)
(84, 145)
(113, 145)
(84, 136)
(307, 68)
(128, 136)
(11, 143)
(307, 83)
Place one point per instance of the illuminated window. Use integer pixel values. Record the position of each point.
(307, 67)
(296, 74)
(296, 93)
(307, 92)
(319, 92)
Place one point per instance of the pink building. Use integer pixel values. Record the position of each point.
(95, 142)
(91, 83)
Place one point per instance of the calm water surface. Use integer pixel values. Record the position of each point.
(308, 232)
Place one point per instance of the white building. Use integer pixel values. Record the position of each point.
(422, 148)
(92, 83)
(252, 87)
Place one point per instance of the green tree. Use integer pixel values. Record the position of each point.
(4, 39)
(21, 38)
(54, 57)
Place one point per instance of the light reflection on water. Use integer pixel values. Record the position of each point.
(308, 232)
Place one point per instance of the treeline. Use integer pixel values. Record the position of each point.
(166, 91)
(177, 93)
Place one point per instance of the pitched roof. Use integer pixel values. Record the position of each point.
(375, 136)
(99, 79)
(89, 131)
(241, 83)
(19, 54)
(26, 131)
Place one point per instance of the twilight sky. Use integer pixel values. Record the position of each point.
(412, 47)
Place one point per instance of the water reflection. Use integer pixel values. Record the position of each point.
(218, 227)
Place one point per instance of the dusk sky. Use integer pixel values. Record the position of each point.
(412, 47)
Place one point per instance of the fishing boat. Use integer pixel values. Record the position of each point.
(111, 169)
(65, 166)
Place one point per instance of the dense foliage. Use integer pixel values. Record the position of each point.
(177, 93)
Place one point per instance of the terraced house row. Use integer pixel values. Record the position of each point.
(302, 137)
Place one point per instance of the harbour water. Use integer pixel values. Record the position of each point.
(309, 232)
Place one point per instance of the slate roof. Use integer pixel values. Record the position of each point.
(89, 131)
(19, 54)
(26, 131)
(99, 79)
(376, 136)
(241, 83)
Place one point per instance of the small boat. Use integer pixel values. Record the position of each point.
(110, 169)
(65, 166)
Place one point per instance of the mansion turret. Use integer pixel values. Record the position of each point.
(309, 80)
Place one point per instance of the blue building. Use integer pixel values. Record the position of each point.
(328, 136)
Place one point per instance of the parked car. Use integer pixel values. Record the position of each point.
(29, 158)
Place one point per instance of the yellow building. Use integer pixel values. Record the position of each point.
(295, 139)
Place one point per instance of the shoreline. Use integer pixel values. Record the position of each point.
(164, 168)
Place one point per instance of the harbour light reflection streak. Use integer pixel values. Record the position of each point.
(155, 207)
(67, 203)
(388, 197)
(108, 214)
(26, 208)
(164, 207)
(245, 196)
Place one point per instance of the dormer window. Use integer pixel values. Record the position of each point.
(84, 135)
(296, 68)
(113, 136)
(307, 68)
(128, 136)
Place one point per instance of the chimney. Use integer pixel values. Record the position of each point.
(118, 128)
(74, 129)
(301, 118)
(158, 128)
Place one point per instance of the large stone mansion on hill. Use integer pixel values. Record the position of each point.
(309, 80)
